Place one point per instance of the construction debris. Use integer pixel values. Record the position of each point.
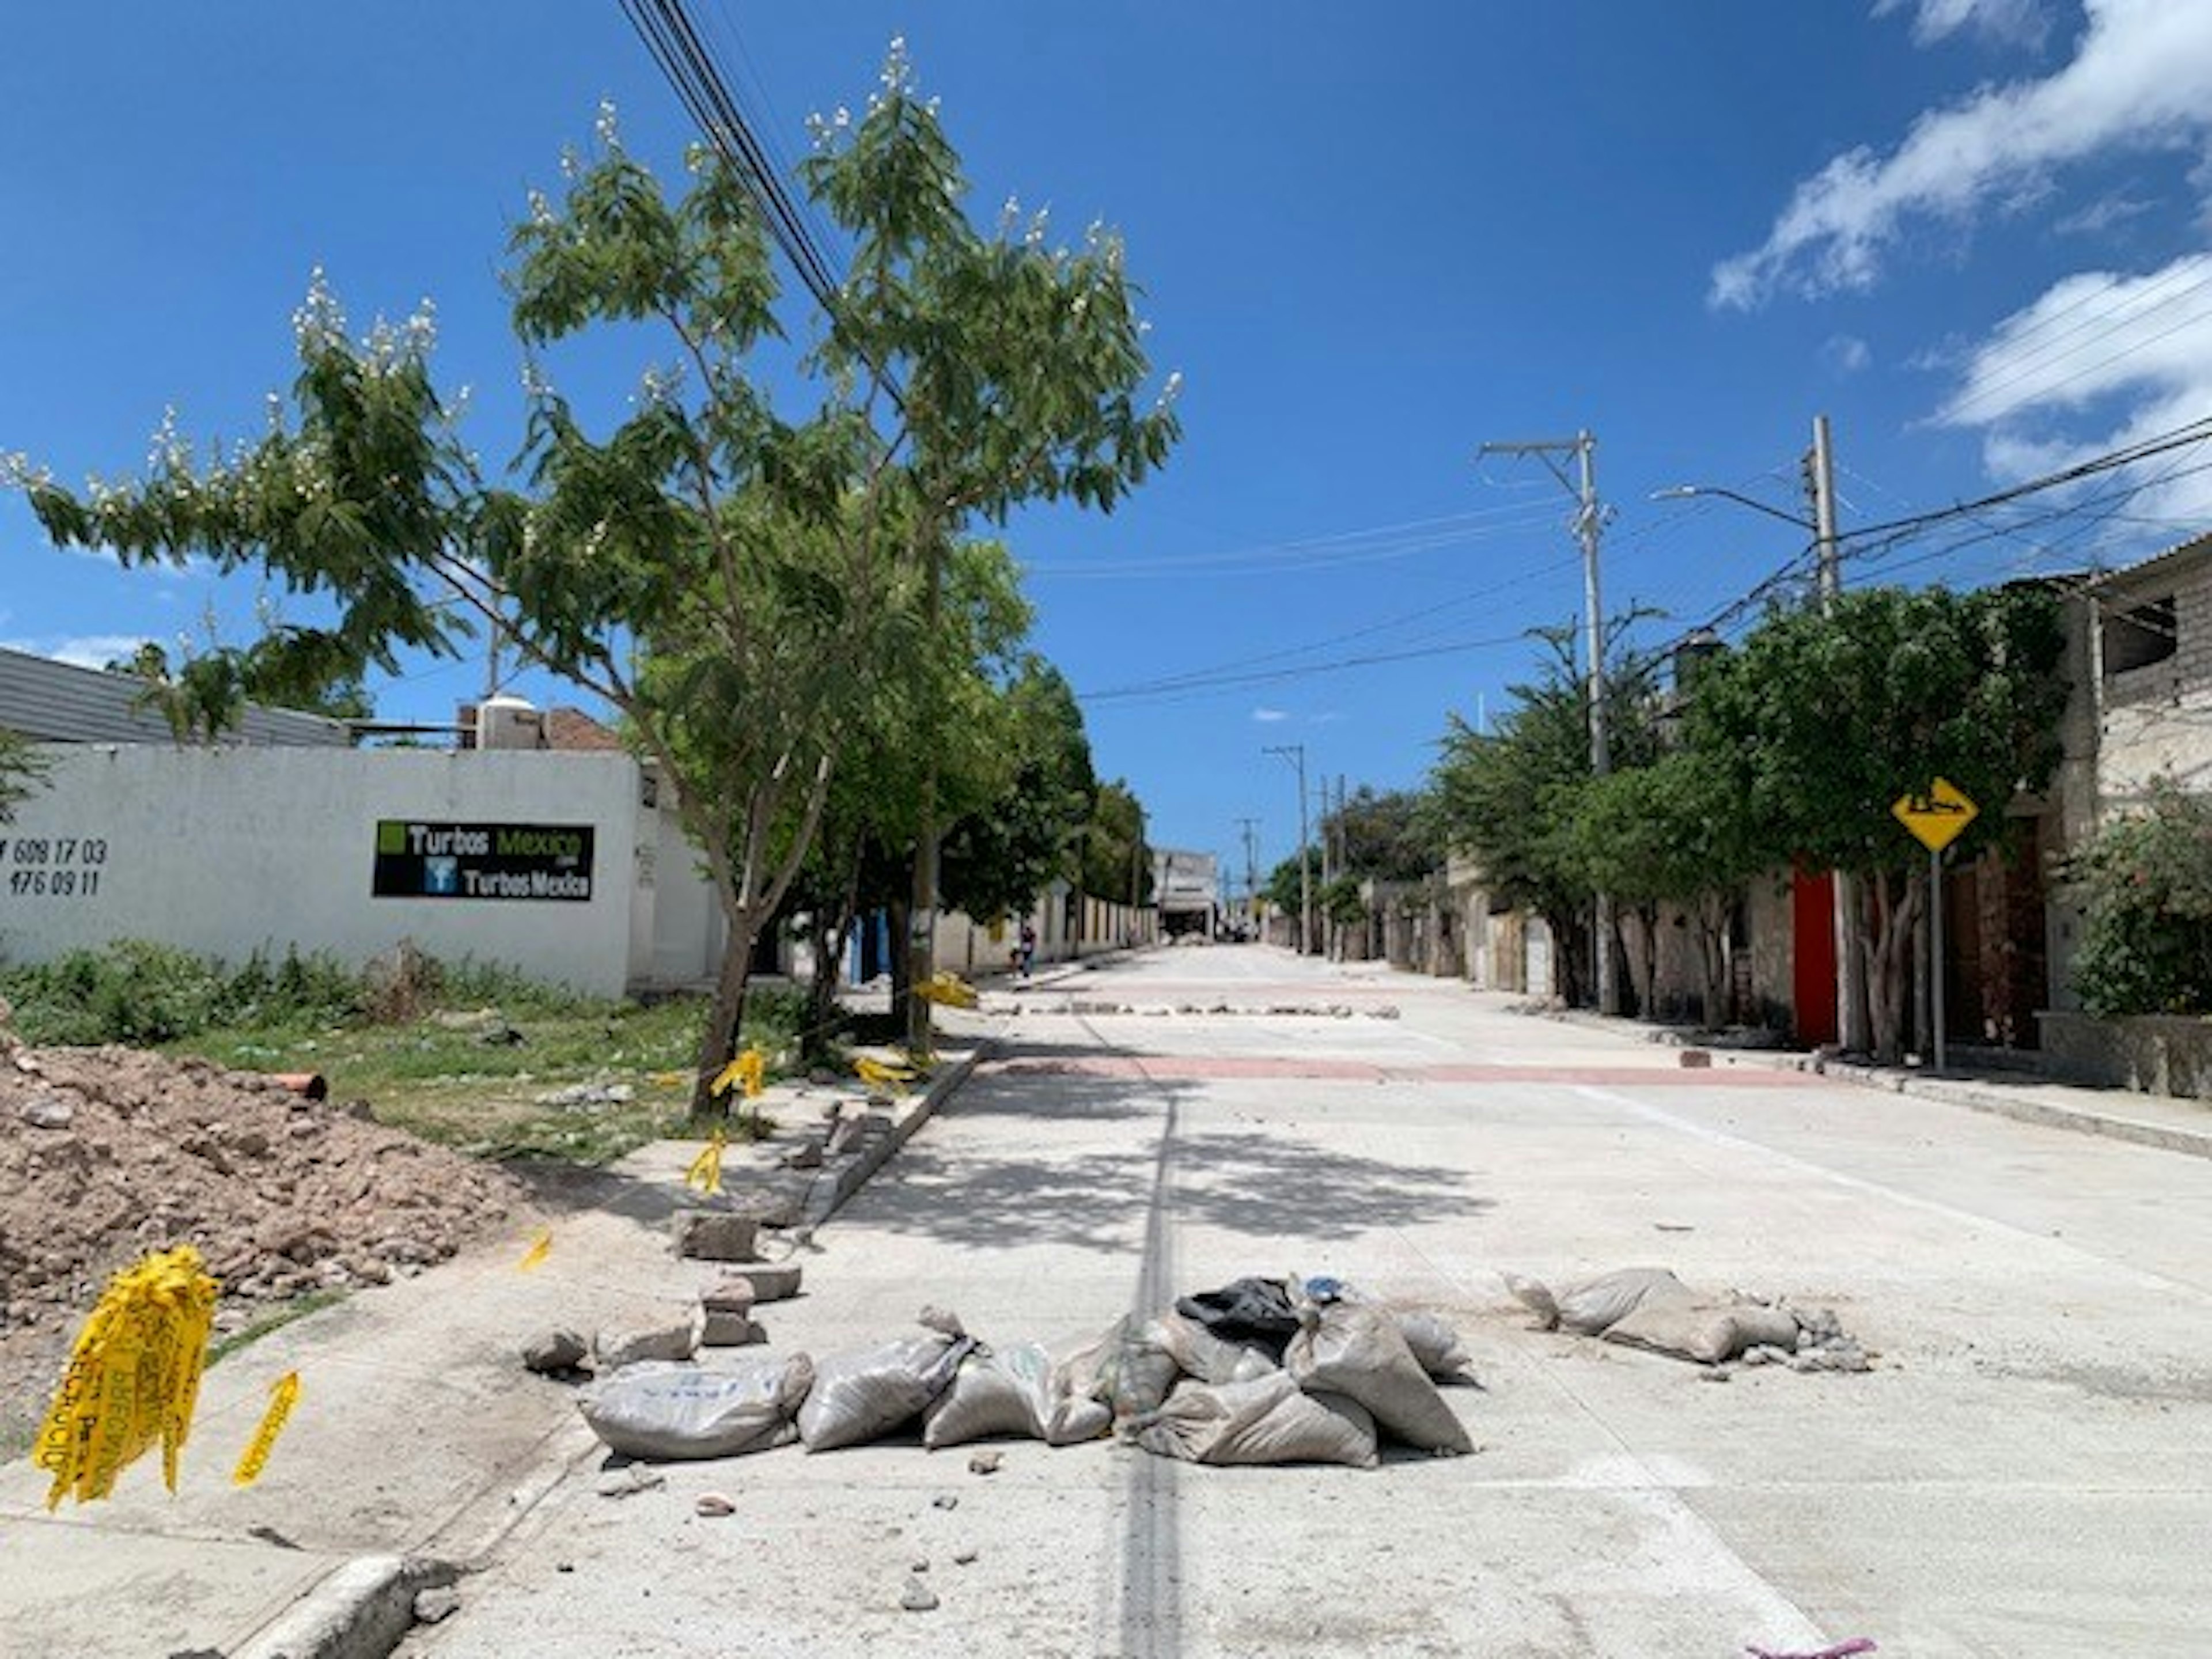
(1649, 1307)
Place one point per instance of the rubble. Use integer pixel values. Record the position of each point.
(716, 1236)
(553, 1352)
(282, 1195)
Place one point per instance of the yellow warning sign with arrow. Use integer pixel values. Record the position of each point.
(1939, 816)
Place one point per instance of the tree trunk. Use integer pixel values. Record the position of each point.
(1708, 919)
(1889, 957)
(1571, 949)
(719, 1041)
(901, 954)
(1638, 927)
(833, 930)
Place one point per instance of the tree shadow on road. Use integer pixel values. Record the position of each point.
(1261, 1182)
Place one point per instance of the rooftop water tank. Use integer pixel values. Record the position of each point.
(504, 722)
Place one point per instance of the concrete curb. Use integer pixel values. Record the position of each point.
(2023, 1108)
(365, 1609)
(1973, 1095)
(882, 1135)
(360, 1612)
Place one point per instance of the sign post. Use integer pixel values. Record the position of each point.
(1936, 819)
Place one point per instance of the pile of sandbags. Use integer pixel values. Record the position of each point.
(1263, 1371)
(1278, 1371)
(1650, 1308)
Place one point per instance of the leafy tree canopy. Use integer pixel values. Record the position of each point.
(1826, 717)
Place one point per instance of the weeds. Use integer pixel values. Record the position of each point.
(472, 1055)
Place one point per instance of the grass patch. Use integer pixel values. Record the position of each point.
(473, 1056)
(584, 1082)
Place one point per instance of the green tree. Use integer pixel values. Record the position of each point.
(1672, 834)
(2144, 879)
(1116, 859)
(715, 569)
(1386, 836)
(1283, 889)
(1001, 856)
(946, 680)
(1825, 718)
(1509, 798)
(20, 770)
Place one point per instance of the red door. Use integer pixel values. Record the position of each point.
(1812, 950)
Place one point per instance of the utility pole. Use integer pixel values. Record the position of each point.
(1328, 874)
(1820, 474)
(1853, 1028)
(1251, 829)
(1590, 524)
(921, 906)
(1296, 754)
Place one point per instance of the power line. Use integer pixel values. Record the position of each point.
(2028, 365)
(1350, 547)
(670, 34)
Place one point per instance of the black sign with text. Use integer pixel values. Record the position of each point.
(426, 859)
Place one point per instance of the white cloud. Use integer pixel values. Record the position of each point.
(2009, 22)
(2106, 214)
(2089, 337)
(1269, 716)
(2053, 370)
(2140, 79)
(83, 650)
(1846, 354)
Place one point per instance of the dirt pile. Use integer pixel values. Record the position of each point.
(107, 1153)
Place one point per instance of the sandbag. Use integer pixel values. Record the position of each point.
(664, 1410)
(1435, 1344)
(1591, 1307)
(1200, 1353)
(867, 1392)
(1355, 1349)
(1255, 1310)
(1131, 1368)
(1268, 1420)
(1707, 1332)
(1010, 1391)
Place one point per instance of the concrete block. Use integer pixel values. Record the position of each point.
(729, 1330)
(772, 1283)
(732, 1294)
(615, 1349)
(716, 1236)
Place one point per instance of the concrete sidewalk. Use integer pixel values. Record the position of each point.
(418, 1438)
(2161, 1121)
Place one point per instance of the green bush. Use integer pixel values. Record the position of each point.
(133, 991)
(139, 992)
(2146, 885)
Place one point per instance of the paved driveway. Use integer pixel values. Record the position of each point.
(2023, 1473)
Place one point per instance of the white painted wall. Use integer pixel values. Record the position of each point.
(225, 851)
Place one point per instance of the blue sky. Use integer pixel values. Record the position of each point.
(1971, 232)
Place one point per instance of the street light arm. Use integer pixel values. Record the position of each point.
(1685, 492)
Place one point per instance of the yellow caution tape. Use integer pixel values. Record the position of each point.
(878, 1074)
(705, 1171)
(534, 1257)
(748, 1071)
(949, 989)
(282, 1396)
(133, 1376)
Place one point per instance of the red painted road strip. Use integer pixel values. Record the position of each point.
(1197, 1068)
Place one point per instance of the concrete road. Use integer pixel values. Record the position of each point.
(2025, 1472)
